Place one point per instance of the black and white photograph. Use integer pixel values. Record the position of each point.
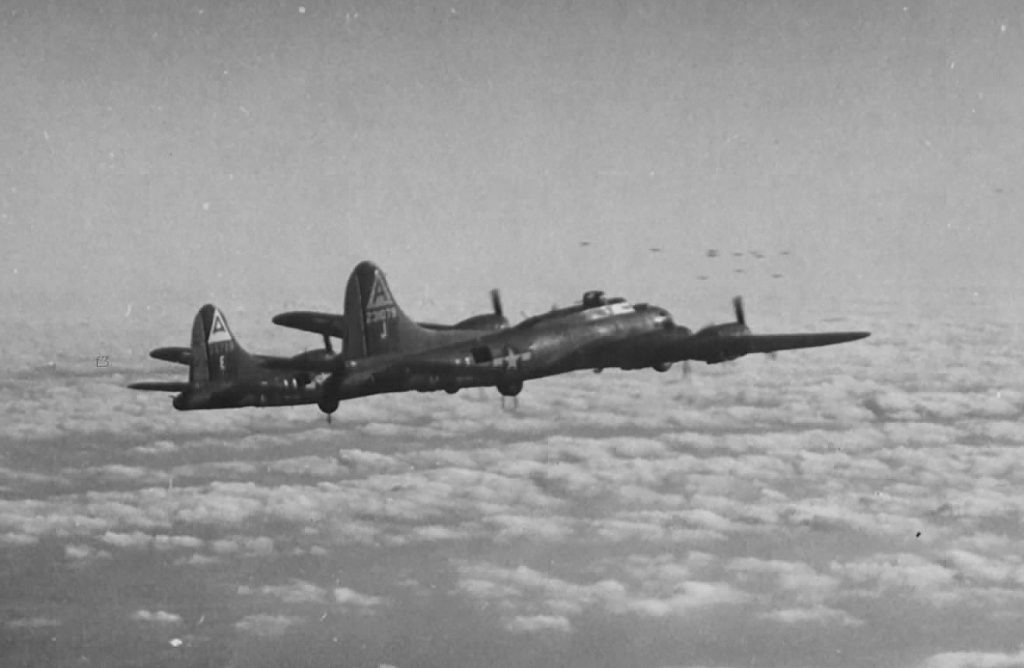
(505, 334)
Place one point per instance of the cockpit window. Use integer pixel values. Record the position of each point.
(662, 318)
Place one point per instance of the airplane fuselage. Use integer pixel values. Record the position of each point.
(596, 337)
(259, 390)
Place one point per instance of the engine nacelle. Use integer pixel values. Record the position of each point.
(724, 331)
(484, 321)
(721, 343)
(662, 367)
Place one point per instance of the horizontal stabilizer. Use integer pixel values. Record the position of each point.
(176, 354)
(327, 324)
(156, 386)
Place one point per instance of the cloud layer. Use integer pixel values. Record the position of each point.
(809, 504)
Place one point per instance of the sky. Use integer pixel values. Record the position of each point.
(161, 155)
(856, 165)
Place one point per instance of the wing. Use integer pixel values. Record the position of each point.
(156, 386)
(712, 349)
(326, 324)
(769, 343)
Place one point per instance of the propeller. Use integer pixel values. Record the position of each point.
(496, 302)
(730, 327)
(327, 344)
(487, 321)
(724, 342)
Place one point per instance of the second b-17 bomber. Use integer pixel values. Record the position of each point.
(386, 351)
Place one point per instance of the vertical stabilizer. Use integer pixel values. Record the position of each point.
(376, 324)
(217, 358)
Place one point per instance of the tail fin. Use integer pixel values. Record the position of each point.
(217, 358)
(377, 326)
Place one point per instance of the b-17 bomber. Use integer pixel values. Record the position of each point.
(223, 375)
(385, 351)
